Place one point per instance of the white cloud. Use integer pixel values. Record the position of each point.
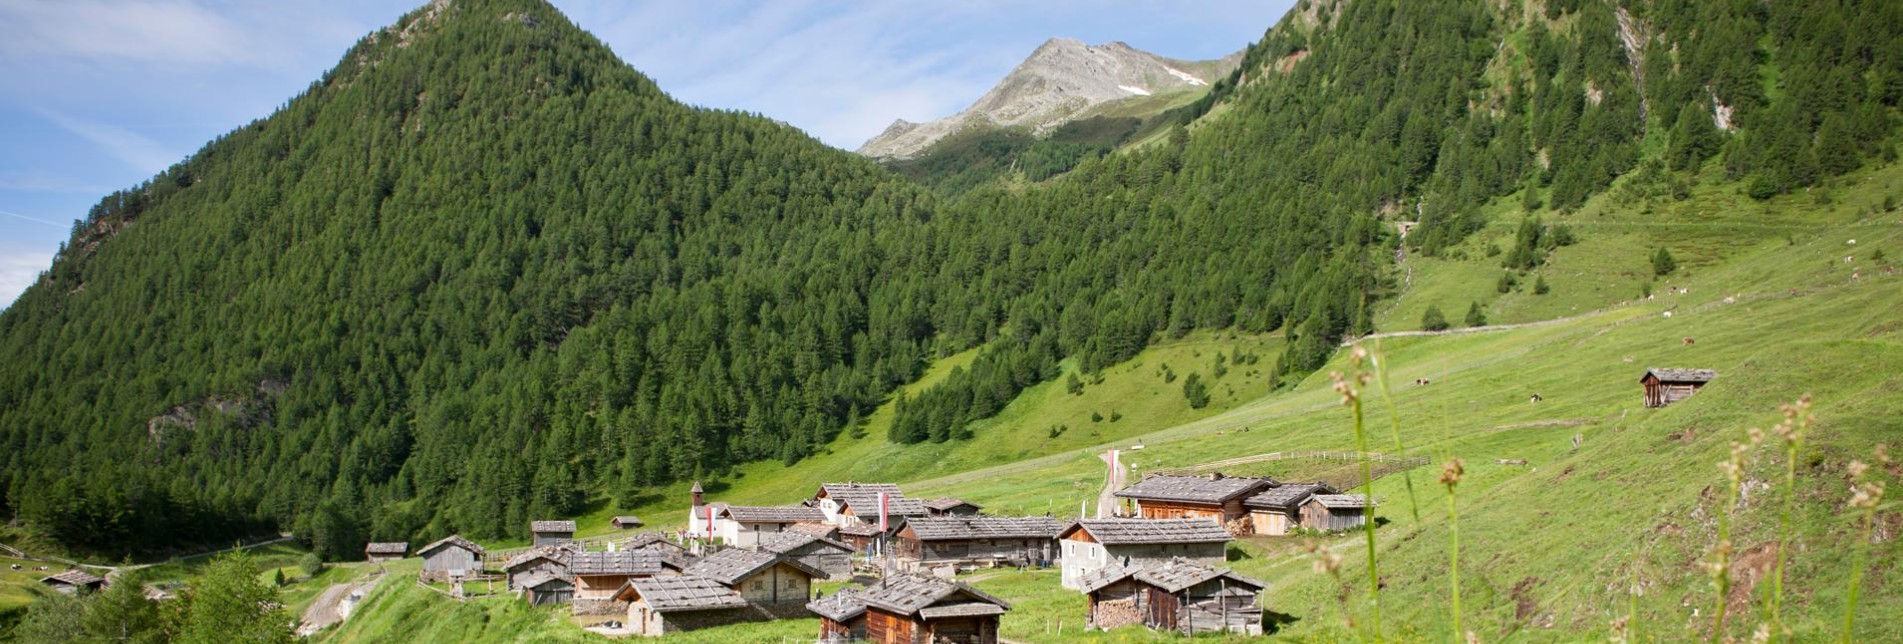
(159, 31)
(136, 150)
(19, 268)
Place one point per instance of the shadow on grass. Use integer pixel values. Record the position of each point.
(1272, 622)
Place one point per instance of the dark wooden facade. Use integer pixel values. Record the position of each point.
(832, 631)
(887, 628)
(1221, 512)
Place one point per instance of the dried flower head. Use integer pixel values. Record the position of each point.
(1472, 638)
(1882, 453)
(1348, 393)
(1868, 496)
(1325, 560)
(1856, 469)
(1762, 634)
(1451, 472)
(1756, 435)
(1621, 630)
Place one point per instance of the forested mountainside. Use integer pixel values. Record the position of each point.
(483, 272)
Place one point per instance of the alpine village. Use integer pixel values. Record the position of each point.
(1411, 320)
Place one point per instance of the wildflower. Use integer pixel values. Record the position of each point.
(1856, 469)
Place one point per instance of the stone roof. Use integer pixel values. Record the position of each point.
(74, 577)
(626, 519)
(386, 548)
(1212, 489)
(1180, 573)
(860, 530)
(910, 594)
(841, 606)
(773, 513)
(681, 594)
(641, 540)
(1680, 375)
(733, 565)
(947, 503)
(451, 540)
(538, 579)
(976, 527)
(868, 509)
(1342, 501)
(826, 530)
(1286, 496)
(552, 526)
(784, 542)
(1093, 580)
(1115, 532)
(556, 554)
(960, 609)
(624, 562)
(853, 492)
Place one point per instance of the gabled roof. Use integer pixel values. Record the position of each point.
(947, 503)
(826, 530)
(456, 540)
(1180, 573)
(1679, 375)
(1117, 532)
(626, 519)
(1094, 580)
(911, 594)
(975, 527)
(848, 492)
(868, 509)
(780, 543)
(551, 526)
(552, 553)
(681, 594)
(733, 565)
(1286, 496)
(1194, 489)
(386, 548)
(539, 579)
(74, 577)
(1342, 501)
(641, 540)
(860, 530)
(841, 606)
(772, 514)
(624, 562)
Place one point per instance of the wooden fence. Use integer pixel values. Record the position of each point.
(1318, 455)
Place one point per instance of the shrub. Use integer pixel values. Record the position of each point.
(1074, 385)
(1096, 417)
(1540, 287)
(1662, 262)
(1195, 391)
(1475, 316)
(311, 564)
(1506, 283)
(1433, 319)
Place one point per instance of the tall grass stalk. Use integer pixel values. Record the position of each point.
(1394, 425)
(1350, 391)
(1797, 421)
(1720, 566)
(1867, 498)
(1450, 475)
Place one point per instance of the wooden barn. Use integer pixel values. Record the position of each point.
(833, 559)
(866, 512)
(672, 554)
(543, 589)
(1666, 386)
(916, 609)
(451, 557)
(743, 525)
(1212, 496)
(1181, 595)
(1094, 544)
(863, 538)
(775, 584)
(598, 575)
(625, 522)
(1278, 510)
(72, 582)
(547, 560)
(951, 507)
(663, 605)
(379, 552)
(929, 542)
(551, 533)
(1332, 512)
(842, 616)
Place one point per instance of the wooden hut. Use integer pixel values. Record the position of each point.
(551, 533)
(598, 575)
(951, 507)
(536, 561)
(862, 537)
(1666, 386)
(451, 557)
(1181, 595)
(917, 609)
(834, 497)
(672, 554)
(777, 585)
(1093, 544)
(927, 542)
(743, 525)
(662, 605)
(842, 616)
(833, 559)
(1332, 512)
(1278, 510)
(542, 589)
(625, 522)
(379, 552)
(1211, 496)
(72, 582)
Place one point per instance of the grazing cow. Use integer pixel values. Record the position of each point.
(1537, 398)
(1688, 341)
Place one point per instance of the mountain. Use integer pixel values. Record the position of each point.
(1063, 80)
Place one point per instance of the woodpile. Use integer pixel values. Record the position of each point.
(1117, 612)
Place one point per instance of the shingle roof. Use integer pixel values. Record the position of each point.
(1141, 531)
(733, 565)
(551, 526)
(773, 513)
(868, 509)
(1680, 375)
(681, 594)
(948, 503)
(1180, 573)
(1094, 580)
(551, 553)
(451, 540)
(960, 609)
(908, 594)
(626, 519)
(851, 492)
(840, 606)
(641, 540)
(1285, 496)
(386, 548)
(950, 528)
(826, 530)
(1193, 489)
(539, 578)
(785, 542)
(75, 577)
(624, 562)
(860, 530)
(1342, 501)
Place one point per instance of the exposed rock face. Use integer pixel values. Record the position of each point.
(1060, 81)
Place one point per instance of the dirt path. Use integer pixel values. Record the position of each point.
(1113, 481)
(333, 606)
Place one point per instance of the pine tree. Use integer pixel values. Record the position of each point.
(1662, 262)
(1433, 319)
(1195, 391)
(229, 603)
(1475, 316)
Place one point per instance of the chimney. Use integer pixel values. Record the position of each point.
(1215, 476)
(696, 491)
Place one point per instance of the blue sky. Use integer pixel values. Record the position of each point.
(98, 95)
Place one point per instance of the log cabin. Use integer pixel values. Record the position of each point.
(833, 559)
(544, 589)
(1278, 510)
(1211, 496)
(451, 557)
(1666, 386)
(73, 582)
(974, 541)
(842, 616)
(775, 585)
(1092, 544)
(1334, 512)
(866, 512)
(551, 533)
(917, 609)
(379, 552)
(625, 522)
(662, 605)
(952, 507)
(547, 560)
(1182, 596)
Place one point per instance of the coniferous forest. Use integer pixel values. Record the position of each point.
(483, 271)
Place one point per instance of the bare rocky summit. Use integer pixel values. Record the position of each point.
(1063, 80)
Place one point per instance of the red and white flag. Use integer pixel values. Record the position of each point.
(710, 522)
(882, 511)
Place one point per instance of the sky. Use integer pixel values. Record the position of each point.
(98, 95)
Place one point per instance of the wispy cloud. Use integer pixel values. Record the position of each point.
(135, 149)
(19, 268)
(159, 31)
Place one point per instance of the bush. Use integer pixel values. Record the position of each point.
(1074, 385)
(1540, 287)
(1115, 415)
(1433, 319)
(1096, 417)
(1195, 392)
(1475, 316)
(1762, 188)
(311, 564)
(1563, 235)
(1662, 262)
(1506, 283)
(1877, 256)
